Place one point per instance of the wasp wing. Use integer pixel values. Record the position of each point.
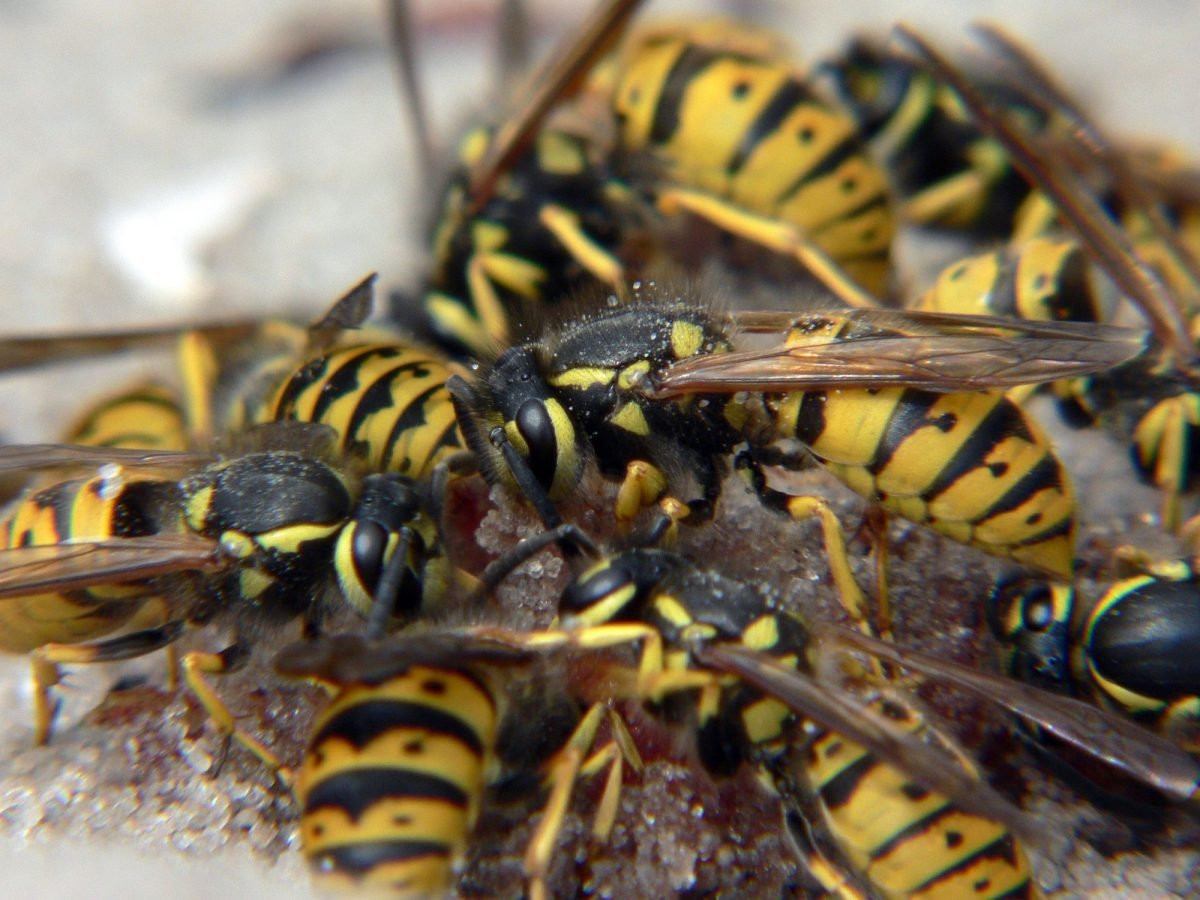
(877, 348)
(74, 566)
(350, 658)
(1108, 737)
(1098, 233)
(843, 713)
(28, 457)
(556, 79)
(29, 352)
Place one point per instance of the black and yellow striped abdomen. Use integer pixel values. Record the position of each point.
(972, 466)
(1042, 279)
(387, 402)
(745, 128)
(392, 780)
(907, 840)
(76, 511)
(149, 417)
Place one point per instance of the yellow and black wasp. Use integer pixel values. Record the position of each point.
(752, 684)
(381, 394)
(715, 121)
(1150, 402)
(253, 537)
(1133, 650)
(954, 174)
(655, 393)
(949, 173)
(530, 213)
(401, 759)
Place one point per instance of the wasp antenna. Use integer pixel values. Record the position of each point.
(512, 44)
(403, 44)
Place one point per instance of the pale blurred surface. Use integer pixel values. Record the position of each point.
(157, 165)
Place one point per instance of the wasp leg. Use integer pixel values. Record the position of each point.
(46, 660)
(197, 664)
(778, 237)
(801, 507)
(835, 880)
(645, 483)
(567, 767)
(583, 248)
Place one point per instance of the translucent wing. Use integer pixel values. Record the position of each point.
(558, 78)
(877, 348)
(347, 312)
(1100, 236)
(62, 567)
(845, 714)
(1108, 737)
(29, 457)
(348, 658)
(18, 353)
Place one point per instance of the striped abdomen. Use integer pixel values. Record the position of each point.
(392, 780)
(972, 466)
(83, 510)
(149, 417)
(906, 840)
(745, 128)
(387, 402)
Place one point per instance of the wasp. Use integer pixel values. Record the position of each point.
(1132, 650)
(753, 684)
(1150, 402)
(950, 173)
(381, 394)
(261, 536)
(953, 173)
(655, 393)
(401, 758)
(733, 135)
(530, 213)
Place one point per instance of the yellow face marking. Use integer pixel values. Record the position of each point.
(569, 464)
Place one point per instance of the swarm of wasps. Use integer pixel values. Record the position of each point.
(303, 473)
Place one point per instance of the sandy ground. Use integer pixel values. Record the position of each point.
(160, 163)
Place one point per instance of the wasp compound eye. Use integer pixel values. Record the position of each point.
(536, 426)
